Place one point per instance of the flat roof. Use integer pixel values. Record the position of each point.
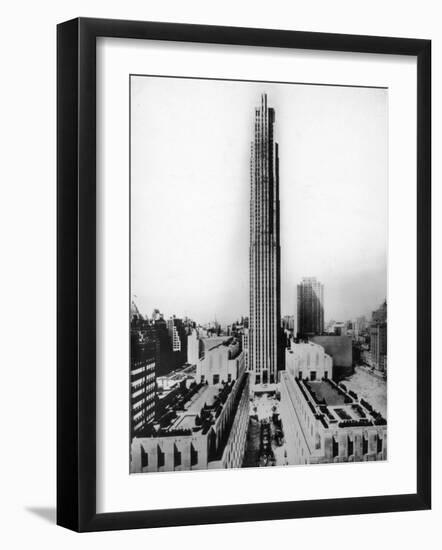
(185, 420)
(206, 395)
(329, 393)
(336, 406)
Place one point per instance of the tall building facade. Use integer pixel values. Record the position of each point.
(174, 326)
(144, 351)
(378, 338)
(265, 255)
(288, 322)
(193, 347)
(310, 307)
(245, 347)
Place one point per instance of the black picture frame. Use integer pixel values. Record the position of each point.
(77, 287)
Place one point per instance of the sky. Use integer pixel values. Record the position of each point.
(190, 183)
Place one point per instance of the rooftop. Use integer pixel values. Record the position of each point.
(335, 406)
(230, 343)
(214, 341)
(206, 395)
(328, 393)
(192, 410)
(168, 382)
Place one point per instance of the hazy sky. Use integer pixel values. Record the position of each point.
(190, 144)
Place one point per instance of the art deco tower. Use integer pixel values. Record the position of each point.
(265, 285)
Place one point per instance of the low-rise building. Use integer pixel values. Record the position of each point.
(308, 360)
(206, 427)
(185, 375)
(323, 422)
(339, 328)
(221, 361)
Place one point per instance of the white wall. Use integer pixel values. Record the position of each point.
(27, 218)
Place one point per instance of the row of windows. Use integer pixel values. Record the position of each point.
(142, 417)
(140, 381)
(139, 404)
(142, 388)
(138, 370)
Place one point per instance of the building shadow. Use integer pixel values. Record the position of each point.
(45, 512)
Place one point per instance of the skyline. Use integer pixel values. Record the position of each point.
(333, 212)
(206, 322)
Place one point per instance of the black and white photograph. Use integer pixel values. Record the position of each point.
(258, 272)
(220, 233)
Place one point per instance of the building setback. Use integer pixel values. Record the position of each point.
(265, 285)
(310, 307)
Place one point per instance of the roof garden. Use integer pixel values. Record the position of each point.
(328, 393)
(193, 410)
(334, 405)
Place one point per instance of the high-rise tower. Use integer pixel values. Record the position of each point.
(265, 277)
(310, 307)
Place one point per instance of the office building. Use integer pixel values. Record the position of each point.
(176, 333)
(310, 304)
(221, 361)
(245, 347)
(359, 326)
(265, 285)
(378, 338)
(288, 323)
(338, 347)
(194, 347)
(308, 360)
(200, 426)
(323, 422)
(144, 352)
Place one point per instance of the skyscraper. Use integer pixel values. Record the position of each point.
(265, 278)
(194, 347)
(144, 353)
(310, 307)
(173, 326)
(378, 338)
